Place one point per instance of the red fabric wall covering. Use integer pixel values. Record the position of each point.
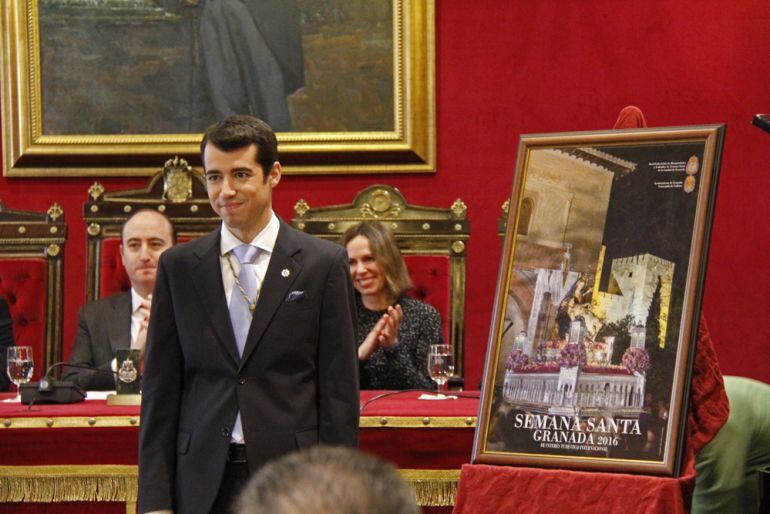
(509, 68)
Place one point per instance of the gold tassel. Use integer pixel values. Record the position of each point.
(44, 484)
(116, 483)
(432, 487)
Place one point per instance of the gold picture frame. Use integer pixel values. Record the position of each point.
(407, 144)
(598, 300)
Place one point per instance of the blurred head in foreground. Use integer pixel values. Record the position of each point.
(327, 480)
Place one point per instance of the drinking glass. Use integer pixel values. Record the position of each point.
(20, 366)
(441, 364)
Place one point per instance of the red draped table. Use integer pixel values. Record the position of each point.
(82, 457)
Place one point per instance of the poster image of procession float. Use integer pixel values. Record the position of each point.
(589, 330)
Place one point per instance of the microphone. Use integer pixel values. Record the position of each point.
(49, 390)
(762, 121)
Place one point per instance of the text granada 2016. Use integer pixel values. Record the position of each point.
(571, 429)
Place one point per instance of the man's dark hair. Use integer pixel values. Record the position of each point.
(236, 132)
(171, 225)
(327, 480)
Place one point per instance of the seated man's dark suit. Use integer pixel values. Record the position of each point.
(296, 384)
(103, 327)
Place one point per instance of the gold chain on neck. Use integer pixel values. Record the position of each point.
(252, 303)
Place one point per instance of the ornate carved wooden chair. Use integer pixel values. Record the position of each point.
(177, 190)
(432, 239)
(31, 258)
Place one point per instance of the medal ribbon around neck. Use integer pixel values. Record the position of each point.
(252, 303)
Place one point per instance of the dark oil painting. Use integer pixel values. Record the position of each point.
(118, 67)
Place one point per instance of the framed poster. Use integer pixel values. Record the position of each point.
(111, 87)
(598, 300)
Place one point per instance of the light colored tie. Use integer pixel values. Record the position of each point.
(240, 314)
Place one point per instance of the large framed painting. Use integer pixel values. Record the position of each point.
(116, 87)
(598, 300)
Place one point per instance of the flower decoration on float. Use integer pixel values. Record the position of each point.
(516, 360)
(573, 354)
(636, 360)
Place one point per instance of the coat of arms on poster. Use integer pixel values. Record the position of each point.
(598, 300)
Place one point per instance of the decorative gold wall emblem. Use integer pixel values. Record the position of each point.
(96, 190)
(55, 212)
(459, 209)
(177, 180)
(301, 207)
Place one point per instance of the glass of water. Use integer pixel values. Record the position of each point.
(20, 366)
(441, 364)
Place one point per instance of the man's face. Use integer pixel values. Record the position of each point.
(237, 189)
(145, 237)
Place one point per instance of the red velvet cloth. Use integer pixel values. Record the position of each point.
(432, 284)
(86, 445)
(630, 117)
(407, 403)
(113, 278)
(499, 489)
(485, 489)
(409, 448)
(23, 286)
(415, 447)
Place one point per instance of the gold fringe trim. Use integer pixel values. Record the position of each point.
(416, 422)
(433, 487)
(44, 484)
(118, 483)
(71, 422)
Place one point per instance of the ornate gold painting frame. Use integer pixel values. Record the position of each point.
(29, 152)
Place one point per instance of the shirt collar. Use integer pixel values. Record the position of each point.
(136, 300)
(265, 240)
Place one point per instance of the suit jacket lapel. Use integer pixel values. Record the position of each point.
(119, 322)
(281, 273)
(207, 281)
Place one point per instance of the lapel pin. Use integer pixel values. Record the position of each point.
(285, 272)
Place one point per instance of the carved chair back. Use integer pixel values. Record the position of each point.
(177, 190)
(432, 239)
(31, 265)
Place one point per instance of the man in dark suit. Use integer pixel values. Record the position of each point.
(251, 351)
(120, 320)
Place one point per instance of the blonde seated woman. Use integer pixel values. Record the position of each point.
(394, 331)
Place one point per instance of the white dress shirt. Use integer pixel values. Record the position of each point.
(137, 316)
(265, 241)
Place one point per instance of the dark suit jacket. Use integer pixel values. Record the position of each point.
(295, 386)
(103, 327)
(6, 340)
